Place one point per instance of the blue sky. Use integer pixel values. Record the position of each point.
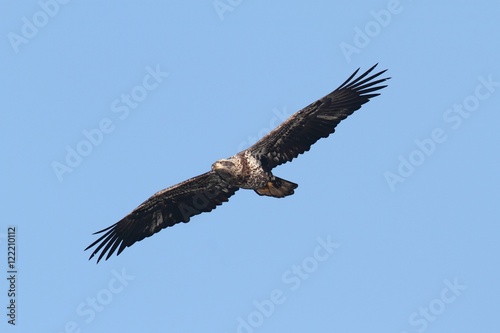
(394, 226)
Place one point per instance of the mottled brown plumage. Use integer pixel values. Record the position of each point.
(249, 169)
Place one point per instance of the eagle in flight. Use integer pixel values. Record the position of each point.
(248, 169)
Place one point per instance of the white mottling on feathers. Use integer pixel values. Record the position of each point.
(157, 220)
(327, 117)
(252, 162)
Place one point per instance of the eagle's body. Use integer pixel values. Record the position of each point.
(244, 170)
(248, 169)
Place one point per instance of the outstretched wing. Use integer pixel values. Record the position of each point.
(164, 209)
(298, 133)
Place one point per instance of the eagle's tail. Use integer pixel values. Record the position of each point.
(277, 187)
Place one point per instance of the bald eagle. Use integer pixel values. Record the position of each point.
(248, 169)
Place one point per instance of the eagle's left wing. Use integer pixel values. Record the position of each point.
(173, 205)
(298, 133)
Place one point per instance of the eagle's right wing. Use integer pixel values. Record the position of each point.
(164, 209)
(298, 133)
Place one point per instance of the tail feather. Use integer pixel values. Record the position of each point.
(278, 188)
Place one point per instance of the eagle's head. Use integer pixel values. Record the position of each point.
(226, 169)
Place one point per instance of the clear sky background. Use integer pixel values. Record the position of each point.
(394, 226)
